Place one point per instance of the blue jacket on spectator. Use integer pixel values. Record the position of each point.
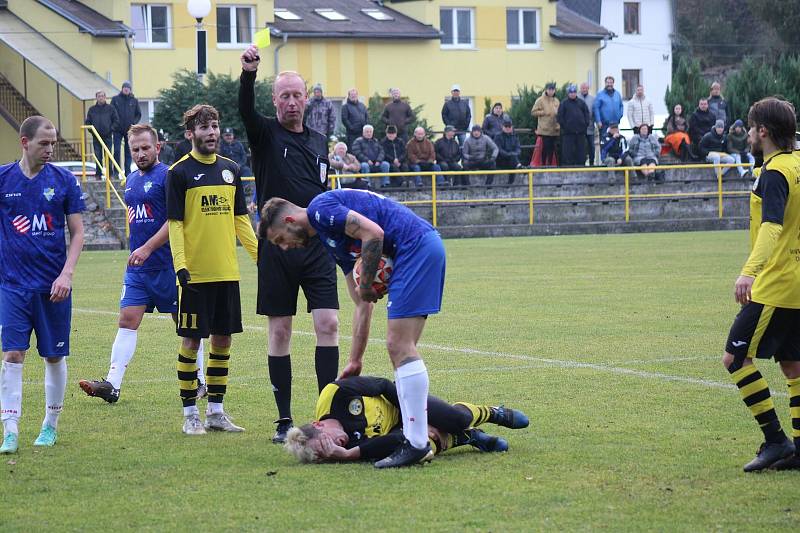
(507, 145)
(367, 150)
(609, 146)
(608, 107)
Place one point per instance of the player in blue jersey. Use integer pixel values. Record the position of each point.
(37, 202)
(353, 222)
(149, 281)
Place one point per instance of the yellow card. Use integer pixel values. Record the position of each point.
(261, 38)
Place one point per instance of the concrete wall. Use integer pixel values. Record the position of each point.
(10, 149)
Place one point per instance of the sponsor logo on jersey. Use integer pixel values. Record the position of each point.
(148, 185)
(198, 177)
(12, 194)
(331, 243)
(42, 223)
(22, 224)
(214, 204)
(140, 213)
(355, 407)
(316, 215)
(49, 193)
(227, 175)
(737, 344)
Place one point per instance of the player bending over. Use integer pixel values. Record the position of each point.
(358, 418)
(149, 278)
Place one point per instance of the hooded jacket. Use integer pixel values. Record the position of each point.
(545, 108)
(737, 143)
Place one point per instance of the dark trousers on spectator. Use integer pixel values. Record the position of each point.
(482, 165)
(572, 149)
(397, 181)
(506, 163)
(454, 166)
(548, 147)
(119, 141)
(590, 148)
(425, 166)
(98, 152)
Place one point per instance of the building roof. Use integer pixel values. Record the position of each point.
(587, 8)
(87, 19)
(573, 25)
(358, 24)
(50, 59)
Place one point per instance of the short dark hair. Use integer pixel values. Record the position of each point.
(271, 214)
(137, 129)
(30, 126)
(199, 114)
(609, 78)
(778, 117)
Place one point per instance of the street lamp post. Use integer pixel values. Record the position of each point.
(199, 9)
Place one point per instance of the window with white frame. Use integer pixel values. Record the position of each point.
(151, 26)
(522, 28)
(148, 109)
(458, 27)
(235, 26)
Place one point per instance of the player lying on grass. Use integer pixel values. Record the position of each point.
(358, 418)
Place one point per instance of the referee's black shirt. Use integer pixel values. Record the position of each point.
(289, 165)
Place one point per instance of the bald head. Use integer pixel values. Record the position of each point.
(289, 94)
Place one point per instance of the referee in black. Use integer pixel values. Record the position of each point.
(290, 161)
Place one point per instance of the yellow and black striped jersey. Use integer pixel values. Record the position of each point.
(205, 194)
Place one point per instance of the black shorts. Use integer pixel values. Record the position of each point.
(281, 273)
(763, 331)
(209, 309)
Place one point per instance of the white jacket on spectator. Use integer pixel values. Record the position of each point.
(640, 111)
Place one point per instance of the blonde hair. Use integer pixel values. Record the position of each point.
(297, 443)
(137, 129)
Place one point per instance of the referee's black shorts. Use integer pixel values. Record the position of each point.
(282, 272)
(209, 309)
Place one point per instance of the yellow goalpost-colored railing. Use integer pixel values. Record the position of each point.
(105, 168)
(626, 194)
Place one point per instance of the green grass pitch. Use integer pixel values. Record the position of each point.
(610, 343)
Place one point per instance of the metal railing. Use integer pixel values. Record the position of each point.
(106, 170)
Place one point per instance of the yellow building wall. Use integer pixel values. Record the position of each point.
(11, 66)
(10, 149)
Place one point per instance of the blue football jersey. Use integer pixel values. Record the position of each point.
(32, 220)
(146, 198)
(327, 214)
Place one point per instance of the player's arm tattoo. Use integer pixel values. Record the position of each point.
(370, 257)
(352, 225)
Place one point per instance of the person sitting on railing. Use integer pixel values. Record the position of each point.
(479, 152)
(739, 148)
(103, 116)
(713, 146)
(644, 150)
(509, 149)
(422, 156)
(677, 140)
(343, 163)
(369, 153)
(493, 122)
(614, 148)
(394, 149)
(448, 154)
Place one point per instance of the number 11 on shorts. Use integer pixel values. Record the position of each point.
(188, 320)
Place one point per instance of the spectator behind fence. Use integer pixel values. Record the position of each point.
(456, 113)
(167, 153)
(640, 110)
(644, 149)
(398, 113)
(545, 109)
(700, 123)
(614, 148)
(320, 114)
(676, 138)
(421, 156)
(739, 148)
(354, 117)
(129, 113)
(713, 145)
(369, 153)
(588, 99)
(508, 150)
(105, 120)
(235, 151)
(493, 122)
(394, 150)
(607, 106)
(573, 119)
(479, 153)
(448, 154)
(717, 103)
(343, 163)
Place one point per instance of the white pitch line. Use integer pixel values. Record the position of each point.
(561, 363)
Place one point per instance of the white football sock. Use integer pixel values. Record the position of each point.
(121, 354)
(201, 377)
(214, 408)
(11, 396)
(55, 383)
(191, 410)
(412, 384)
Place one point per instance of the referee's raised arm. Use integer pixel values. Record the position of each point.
(247, 95)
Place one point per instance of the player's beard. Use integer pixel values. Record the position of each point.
(202, 148)
(147, 165)
(755, 148)
(301, 234)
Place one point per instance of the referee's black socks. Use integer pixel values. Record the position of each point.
(326, 363)
(280, 374)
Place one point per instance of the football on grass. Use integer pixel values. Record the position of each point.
(382, 276)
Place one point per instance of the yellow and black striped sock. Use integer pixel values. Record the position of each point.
(755, 394)
(217, 372)
(794, 409)
(480, 413)
(187, 375)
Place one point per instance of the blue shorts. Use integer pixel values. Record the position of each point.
(152, 288)
(23, 311)
(417, 282)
